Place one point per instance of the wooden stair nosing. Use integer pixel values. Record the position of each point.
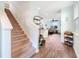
(23, 51)
(16, 41)
(20, 35)
(21, 47)
(18, 38)
(20, 43)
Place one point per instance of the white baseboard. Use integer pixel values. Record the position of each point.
(76, 52)
(37, 50)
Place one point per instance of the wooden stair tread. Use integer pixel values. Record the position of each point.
(15, 32)
(18, 38)
(21, 32)
(21, 53)
(19, 35)
(17, 29)
(19, 48)
(28, 54)
(17, 41)
(19, 44)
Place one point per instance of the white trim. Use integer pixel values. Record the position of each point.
(76, 52)
(37, 50)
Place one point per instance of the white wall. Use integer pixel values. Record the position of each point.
(76, 38)
(66, 21)
(1, 10)
(72, 25)
(76, 31)
(0, 38)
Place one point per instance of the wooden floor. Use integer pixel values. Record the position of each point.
(55, 49)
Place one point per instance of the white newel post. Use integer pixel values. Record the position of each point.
(5, 29)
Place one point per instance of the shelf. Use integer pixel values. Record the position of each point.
(68, 43)
(68, 38)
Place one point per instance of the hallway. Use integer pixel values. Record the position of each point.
(25, 24)
(55, 49)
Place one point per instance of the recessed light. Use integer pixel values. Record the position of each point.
(38, 8)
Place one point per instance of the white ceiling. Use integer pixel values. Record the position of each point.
(47, 8)
(51, 7)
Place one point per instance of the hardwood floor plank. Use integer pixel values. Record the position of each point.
(55, 49)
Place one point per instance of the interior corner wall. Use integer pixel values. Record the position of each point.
(66, 21)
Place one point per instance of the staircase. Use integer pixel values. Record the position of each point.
(20, 44)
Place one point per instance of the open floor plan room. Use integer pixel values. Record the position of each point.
(39, 29)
